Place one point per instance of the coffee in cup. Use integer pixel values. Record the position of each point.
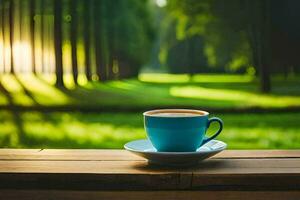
(178, 130)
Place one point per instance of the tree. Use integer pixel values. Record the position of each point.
(110, 25)
(87, 41)
(259, 36)
(58, 42)
(130, 34)
(11, 35)
(74, 24)
(20, 8)
(42, 33)
(100, 65)
(229, 28)
(2, 21)
(32, 33)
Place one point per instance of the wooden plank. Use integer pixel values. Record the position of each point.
(260, 182)
(212, 166)
(67, 154)
(7, 154)
(148, 195)
(18, 151)
(119, 169)
(122, 155)
(259, 154)
(214, 174)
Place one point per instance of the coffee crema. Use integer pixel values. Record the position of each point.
(175, 113)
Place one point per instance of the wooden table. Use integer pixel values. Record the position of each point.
(117, 174)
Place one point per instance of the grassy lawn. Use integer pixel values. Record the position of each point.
(110, 130)
(203, 91)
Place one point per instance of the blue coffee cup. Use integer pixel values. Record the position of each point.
(179, 130)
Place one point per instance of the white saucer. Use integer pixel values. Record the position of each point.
(145, 149)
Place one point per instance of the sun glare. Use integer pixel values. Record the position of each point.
(161, 3)
(22, 52)
(22, 56)
(2, 55)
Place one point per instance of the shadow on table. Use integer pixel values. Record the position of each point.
(204, 165)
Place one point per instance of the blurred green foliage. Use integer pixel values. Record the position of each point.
(123, 31)
(131, 23)
(113, 130)
(117, 38)
(236, 34)
(222, 25)
(202, 90)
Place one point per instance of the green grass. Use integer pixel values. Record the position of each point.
(110, 130)
(209, 91)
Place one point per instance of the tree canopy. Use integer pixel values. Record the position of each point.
(253, 34)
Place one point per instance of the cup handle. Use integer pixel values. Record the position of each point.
(213, 119)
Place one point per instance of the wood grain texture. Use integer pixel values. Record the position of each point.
(212, 166)
(96, 154)
(214, 174)
(147, 195)
(119, 170)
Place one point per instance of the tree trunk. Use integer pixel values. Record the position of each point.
(58, 42)
(259, 37)
(111, 40)
(190, 54)
(74, 40)
(11, 35)
(2, 33)
(20, 7)
(32, 34)
(265, 41)
(86, 32)
(42, 35)
(100, 65)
